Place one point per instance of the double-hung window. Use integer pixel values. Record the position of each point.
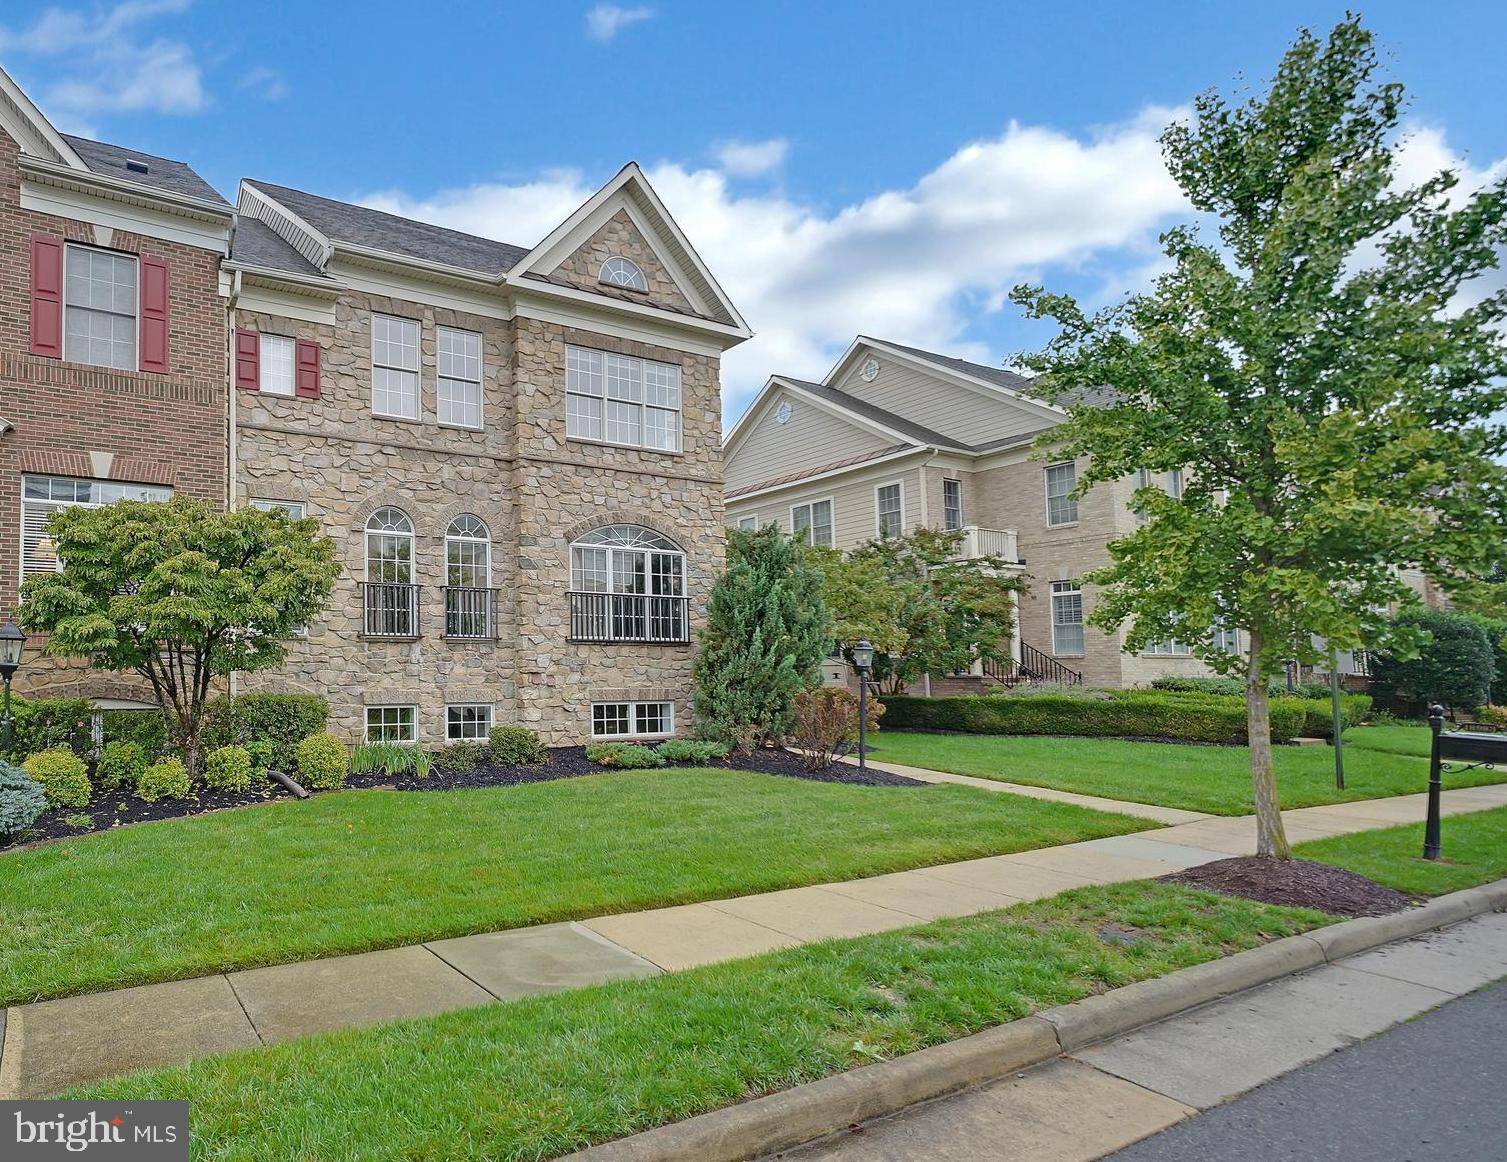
(100, 304)
(621, 399)
(275, 364)
(1067, 617)
(41, 496)
(952, 505)
(889, 510)
(395, 367)
(815, 520)
(1062, 506)
(458, 380)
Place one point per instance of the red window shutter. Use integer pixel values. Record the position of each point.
(306, 369)
(248, 360)
(47, 296)
(154, 296)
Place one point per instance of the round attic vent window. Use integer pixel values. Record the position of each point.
(869, 370)
(783, 413)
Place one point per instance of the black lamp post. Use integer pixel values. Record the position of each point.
(863, 662)
(1436, 782)
(12, 642)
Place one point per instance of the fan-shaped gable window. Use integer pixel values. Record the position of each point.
(623, 272)
(627, 584)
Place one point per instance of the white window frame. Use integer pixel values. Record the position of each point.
(135, 314)
(281, 385)
(451, 727)
(634, 710)
(1171, 648)
(413, 723)
(587, 378)
(878, 519)
(749, 524)
(1063, 590)
(955, 485)
(441, 379)
(114, 489)
(1226, 637)
(399, 369)
(639, 281)
(1066, 497)
(483, 538)
(397, 534)
(810, 506)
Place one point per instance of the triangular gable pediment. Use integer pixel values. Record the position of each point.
(25, 124)
(627, 213)
(779, 390)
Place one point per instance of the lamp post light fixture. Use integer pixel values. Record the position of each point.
(863, 662)
(12, 643)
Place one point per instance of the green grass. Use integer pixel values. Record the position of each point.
(1393, 738)
(360, 870)
(543, 1076)
(1215, 779)
(1473, 850)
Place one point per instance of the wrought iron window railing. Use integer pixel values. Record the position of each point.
(629, 617)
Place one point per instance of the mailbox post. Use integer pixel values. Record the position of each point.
(1476, 748)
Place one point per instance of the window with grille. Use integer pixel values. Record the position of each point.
(952, 505)
(632, 719)
(1067, 617)
(99, 308)
(458, 378)
(623, 272)
(1062, 506)
(391, 724)
(395, 367)
(889, 503)
(815, 520)
(468, 722)
(621, 399)
(41, 496)
(275, 360)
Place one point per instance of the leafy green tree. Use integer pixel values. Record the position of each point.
(180, 593)
(1317, 374)
(767, 631)
(924, 611)
(1456, 667)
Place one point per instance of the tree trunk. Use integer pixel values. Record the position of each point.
(1271, 836)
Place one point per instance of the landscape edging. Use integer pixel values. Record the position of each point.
(793, 1117)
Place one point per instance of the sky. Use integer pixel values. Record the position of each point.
(844, 168)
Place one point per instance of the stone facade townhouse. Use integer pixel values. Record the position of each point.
(112, 346)
(517, 449)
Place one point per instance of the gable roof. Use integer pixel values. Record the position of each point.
(407, 237)
(162, 173)
(872, 411)
(995, 375)
(257, 244)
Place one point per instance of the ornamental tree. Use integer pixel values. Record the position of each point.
(1325, 374)
(1456, 669)
(180, 593)
(766, 633)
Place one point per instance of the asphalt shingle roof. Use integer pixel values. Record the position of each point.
(361, 226)
(161, 172)
(1093, 396)
(256, 244)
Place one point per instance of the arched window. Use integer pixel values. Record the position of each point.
(390, 597)
(623, 272)
(628, 584)
(470, 605)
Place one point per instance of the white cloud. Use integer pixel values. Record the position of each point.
(915, 264)
(747, 159)
(263, 82)
(109, 66)
(605, 21)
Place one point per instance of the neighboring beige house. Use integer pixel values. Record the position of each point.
(894, 438)
(516, 449)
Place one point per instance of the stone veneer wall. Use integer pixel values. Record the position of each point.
(619, 235)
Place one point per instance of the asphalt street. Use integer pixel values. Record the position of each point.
(1431, 1088)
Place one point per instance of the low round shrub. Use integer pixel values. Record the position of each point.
(120, 765)
(461, 757)
(62, 775)
(22, 799)
(322, 762)
(691, 750)
(516, 746)
(165, 780)
(625, 756)
(228, 769)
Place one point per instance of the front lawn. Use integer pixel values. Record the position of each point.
(1216, 779)
(541, 1077)
(1473, 849)
(1393, 737)
(361, 870)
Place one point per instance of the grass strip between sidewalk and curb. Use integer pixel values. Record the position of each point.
(363, 870)
(547, 1075)
(1473, 850)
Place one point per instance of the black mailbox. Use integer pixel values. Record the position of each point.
(1473, 746)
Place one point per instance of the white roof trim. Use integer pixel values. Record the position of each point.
(857, 419)
(119, 190)
(257, 203)
(25, 122)
(962, 378)
(654, 219)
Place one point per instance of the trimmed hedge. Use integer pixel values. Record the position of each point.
(1119, 714)
(284, 720)
(1318, 714)
(62, 775)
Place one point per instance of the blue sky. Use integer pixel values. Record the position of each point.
(877, 167)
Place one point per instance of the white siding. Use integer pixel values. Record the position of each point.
(854, 515)
(812, 437)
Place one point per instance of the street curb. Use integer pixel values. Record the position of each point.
(793, 1117)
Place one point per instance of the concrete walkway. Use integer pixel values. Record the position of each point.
(1085, 1105)
(53, 1044)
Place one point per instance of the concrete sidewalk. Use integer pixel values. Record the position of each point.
(54, 1044)
(1090, 1103)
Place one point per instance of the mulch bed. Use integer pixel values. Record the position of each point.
(1295, 883)
(112, 809)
